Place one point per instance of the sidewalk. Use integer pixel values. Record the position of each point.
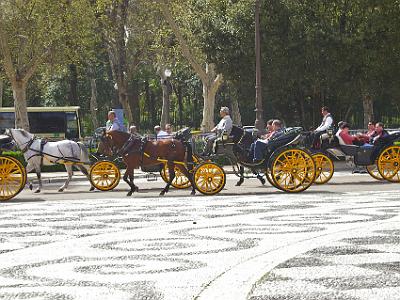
(55, 177)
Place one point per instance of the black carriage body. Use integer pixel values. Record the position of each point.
(237, 147)
(363, 156)
(6, 143)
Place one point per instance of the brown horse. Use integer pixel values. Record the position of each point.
(145, 153)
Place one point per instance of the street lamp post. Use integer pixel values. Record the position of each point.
(259, 123)
(167, 89)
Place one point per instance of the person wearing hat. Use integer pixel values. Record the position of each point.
(113, 123)
(160, 134)
(223, 127)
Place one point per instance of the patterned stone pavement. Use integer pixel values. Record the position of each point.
(273, 246)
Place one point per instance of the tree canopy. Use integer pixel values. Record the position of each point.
(338, 53)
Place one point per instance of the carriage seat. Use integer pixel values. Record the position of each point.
(5, 139)
(6, 142)
(281, 140)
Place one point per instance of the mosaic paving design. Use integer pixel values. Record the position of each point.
(365, 267)
(175, 248)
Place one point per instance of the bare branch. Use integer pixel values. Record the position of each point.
(35, 63)
(182, 41)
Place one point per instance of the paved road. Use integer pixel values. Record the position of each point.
(338, 241)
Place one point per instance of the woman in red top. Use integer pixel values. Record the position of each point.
(346, 136)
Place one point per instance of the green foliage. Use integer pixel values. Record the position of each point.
(314, 53)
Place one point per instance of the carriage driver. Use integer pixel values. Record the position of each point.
(327, 123)
(224, 126)
(113, 123)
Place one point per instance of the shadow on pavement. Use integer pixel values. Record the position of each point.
(24, 200)
(376, 182)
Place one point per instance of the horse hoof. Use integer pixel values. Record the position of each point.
(37, 191)
(193, 193)
(136, 189)
(31, 186)
(129, 194)
(60, 190)
(162, 193)
(262, 181)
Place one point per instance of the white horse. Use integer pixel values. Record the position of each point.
(36, 154)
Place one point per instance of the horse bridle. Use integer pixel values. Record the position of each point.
(28, 143)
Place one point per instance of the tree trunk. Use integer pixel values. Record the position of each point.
(153, 110)
(179, 96)
(1, 92)
(93, 103)
(134, 101)
(150, 101)
(236, 117)
(195, 114)
(124, 100)
(21, 111)
(73, 85)
(210, 88)
(368, 106)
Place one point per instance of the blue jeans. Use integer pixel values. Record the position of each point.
(259, 150)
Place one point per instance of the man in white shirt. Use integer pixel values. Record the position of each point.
(160, 134)
(327, 122)
(223, 127)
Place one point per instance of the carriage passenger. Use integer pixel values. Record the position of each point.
(224, 126)
(133, 130)
(113, 123)
(371, 133)
(380, 133)
(347, 138)
(260, 145)
(160, 134)
(168, 129)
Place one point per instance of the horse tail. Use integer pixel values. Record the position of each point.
(84, 153)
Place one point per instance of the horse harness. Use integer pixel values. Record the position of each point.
(141, 149)
(42, 154)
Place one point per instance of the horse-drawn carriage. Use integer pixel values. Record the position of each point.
(292, 164)
(172, 157)
(287, 164)
(12, 172)
(381, 160)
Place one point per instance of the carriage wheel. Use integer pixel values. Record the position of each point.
(374, 172)
(180, 181)
(293, 170)
(268, 175)
(209, 178)
(389, 163)
(104, 175)
(324, 168)
(12, 177)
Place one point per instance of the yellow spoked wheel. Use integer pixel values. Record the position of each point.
(293, 170)
(209, 178)
(389, 163)
(268, 175)
(12, 177)
(180, 181)
(374, 172)
(104, 175)
(324, 168)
